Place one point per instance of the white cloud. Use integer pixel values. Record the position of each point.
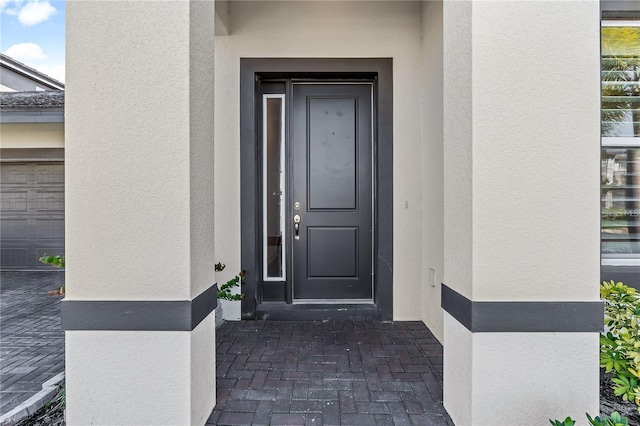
(3, 4)
(53, 71)
(12, 11)
(11, 7)
(25, 52)
(35, 12)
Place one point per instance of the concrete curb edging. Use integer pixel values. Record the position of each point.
(49, 389)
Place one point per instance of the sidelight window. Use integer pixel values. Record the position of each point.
(273, 187)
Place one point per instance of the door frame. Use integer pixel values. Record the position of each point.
(380, 70)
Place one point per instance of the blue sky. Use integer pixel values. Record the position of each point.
(32, 32)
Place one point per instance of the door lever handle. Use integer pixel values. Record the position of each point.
(296, 226)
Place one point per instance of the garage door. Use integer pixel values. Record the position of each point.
(32, 222)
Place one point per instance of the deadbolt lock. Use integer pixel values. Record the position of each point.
(296, 205)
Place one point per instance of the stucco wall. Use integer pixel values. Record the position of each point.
(536, 151)
(432, 166)
(201, 153)
(139, 205)
(153, 152)
(458, 149)
(522, 150)
(521, 166)
(480, 368)
(326, 29)
(138, 392)
(32, 135)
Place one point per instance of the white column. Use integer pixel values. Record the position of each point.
(139, 212)
(521, 148)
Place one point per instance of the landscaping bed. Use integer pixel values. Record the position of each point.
(610, 402)
(52, 414)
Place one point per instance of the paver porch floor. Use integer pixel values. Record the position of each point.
(328, 372)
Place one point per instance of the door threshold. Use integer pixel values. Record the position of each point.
(332, 302)
(281, 311)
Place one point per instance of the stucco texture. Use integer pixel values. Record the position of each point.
(536, 151)
(521, 202)
(139, 203)
(527, 375)
(139, 196)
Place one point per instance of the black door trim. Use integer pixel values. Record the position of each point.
(381, 70)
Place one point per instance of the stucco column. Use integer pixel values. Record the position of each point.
(521, 148)
(138, 314)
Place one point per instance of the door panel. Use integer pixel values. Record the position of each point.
(332, 252)
(332, 155)
(331, 147)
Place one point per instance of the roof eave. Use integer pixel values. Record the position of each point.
(44, 115)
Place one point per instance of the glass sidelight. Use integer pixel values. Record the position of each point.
(273, 187)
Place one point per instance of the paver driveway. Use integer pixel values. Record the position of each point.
(332, 373)
(31, 342)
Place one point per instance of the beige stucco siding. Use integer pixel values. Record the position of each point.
(32, 135)
(536, 152)
(521, 191)
(139, 156)
(327, 29)
(97, 149)
(432, 166)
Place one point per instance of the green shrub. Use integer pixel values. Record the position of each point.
(620, 343)
(567, 422)
(614, 420)
(57, 261)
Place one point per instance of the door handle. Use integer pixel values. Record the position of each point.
(296, 226)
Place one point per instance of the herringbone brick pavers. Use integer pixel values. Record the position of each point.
(31, 341)
(328, 373)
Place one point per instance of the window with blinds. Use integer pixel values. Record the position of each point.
(620, 161)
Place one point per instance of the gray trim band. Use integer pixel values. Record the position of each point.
(178, 315)
(522, 317)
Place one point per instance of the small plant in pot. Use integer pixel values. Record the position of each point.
(224, 292)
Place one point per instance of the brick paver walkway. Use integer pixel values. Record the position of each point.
(331, 373)
(31, 342)
(269, 372)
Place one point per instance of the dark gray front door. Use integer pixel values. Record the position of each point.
(331, 148)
